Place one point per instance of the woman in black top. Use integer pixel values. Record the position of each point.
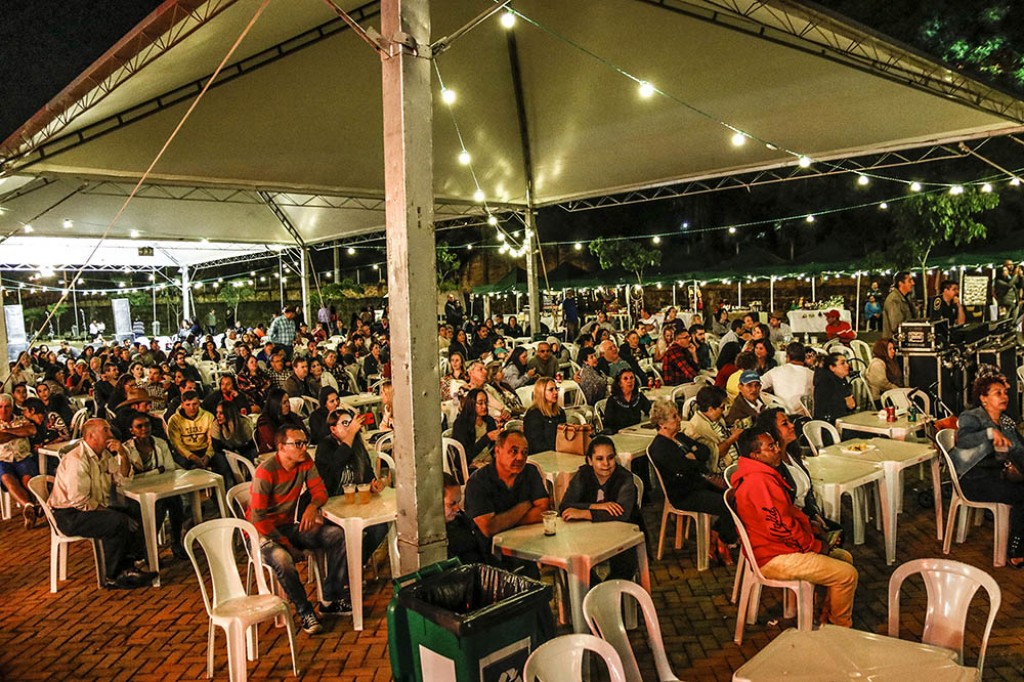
(601, 490)
(318, 429)
(682, 463)
(458, 344)
(833, 395)
(791, 468)
(765, 354)
(475, 429)
(277, 412)
(627, 405)
(210, 352)
(540, 424)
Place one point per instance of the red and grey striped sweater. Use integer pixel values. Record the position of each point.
(275, 493)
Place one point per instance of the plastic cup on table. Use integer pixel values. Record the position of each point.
(550, 519)
(350, 493)
(363, 493)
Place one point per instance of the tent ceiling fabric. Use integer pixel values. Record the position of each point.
(64, 253)
(310, 121)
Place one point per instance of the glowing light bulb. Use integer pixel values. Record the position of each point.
(29, 229)
(492, 220)
(478, 195)
(863, 180)
(448, 96)
(464, 158)
(883, 205)
(809, 219)
(503, 249)
(501, 236)
(646, 89)
(915, 187)
(351, 251)
(508, 19)
(68, 224)
(1015, 182)
(804, 161)
(739, 139)
(956, 190)
(376, 266)
(732, 230)
(657, 239)
(469, 247)
(986, 188)
(578, 246)
(134, 234)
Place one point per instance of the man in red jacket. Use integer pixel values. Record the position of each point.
(786, 545)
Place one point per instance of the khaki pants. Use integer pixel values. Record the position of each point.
(835, 571)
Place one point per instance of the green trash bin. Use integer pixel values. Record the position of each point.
(472, 623)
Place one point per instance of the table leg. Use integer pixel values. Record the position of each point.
(222, 500)
(197, 507)
(393, 549)
(578, 574)
(147, 504)
(937, 493)
(888, 518)
(354, 556)
(643, 566)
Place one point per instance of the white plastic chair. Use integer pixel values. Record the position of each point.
(946, 440)
(862, 350)
(561, 659)
(862, 394)
(599, 408)
(39, 486)
(813, 430)
(702, 521)
(230, 607)
(240, 466)
(387, 459)
(770, 400)
(513, 425)
(525, 395)
(689, 409)
(78, 420)
(454, 459)
(602, 608)
(753, 580)
(950, 586)
(238, 498)
(741, 562)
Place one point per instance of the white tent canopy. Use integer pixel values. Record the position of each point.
(298, 112)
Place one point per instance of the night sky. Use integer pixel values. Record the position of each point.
(45, 44)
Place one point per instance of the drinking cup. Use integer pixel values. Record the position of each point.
(550, 519)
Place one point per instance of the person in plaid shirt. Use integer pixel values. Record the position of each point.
(680, 364)
(275, 493)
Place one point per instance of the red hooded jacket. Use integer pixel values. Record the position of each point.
(774, 524)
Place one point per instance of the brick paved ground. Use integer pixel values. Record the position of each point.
(82, 633)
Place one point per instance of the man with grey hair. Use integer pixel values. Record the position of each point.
(611, 363)
(545, 364)
(17, 465)
(81, 503)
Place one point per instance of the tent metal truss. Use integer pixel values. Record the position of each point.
(146, 46)
(44, 149)
(768, 176)
(24, 267)
(816, 31)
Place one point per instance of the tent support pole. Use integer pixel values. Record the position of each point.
(856, 311)
(532, 285)
(304, 281)
(4, 357)
(74, 302)
(814, 296)
(337, 264)
(739, 294)
(771, 294)
(152, 329)
(408, 179)
(186, 294)
(696, 296)
(673, 294)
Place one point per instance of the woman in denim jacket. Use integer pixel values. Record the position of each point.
(988, 449)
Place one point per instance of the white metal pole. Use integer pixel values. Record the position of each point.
(739, 294)
(856, 311)
(814, 296)
(696, 296)
(771, 294)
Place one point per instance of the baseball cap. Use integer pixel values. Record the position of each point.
(749, 376)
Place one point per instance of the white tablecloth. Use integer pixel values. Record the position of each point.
(812, 321)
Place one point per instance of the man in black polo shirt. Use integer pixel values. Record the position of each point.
(507, 493)
(947, 306)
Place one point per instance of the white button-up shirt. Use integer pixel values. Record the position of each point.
(84, 479)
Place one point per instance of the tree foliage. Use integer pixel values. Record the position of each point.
(232, 296)
(634, 257)
(448, 264)
(925, 221)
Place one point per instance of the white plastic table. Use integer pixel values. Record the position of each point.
(361, 400)
(653, 394)
(645, 429)
(354, 518)
(895, 456)
(55, 450)
(567, 392)
(146, 490)
(835, 653)
(833, 476)
(812, 321)
(632, 444)
(868, 422)
(576, 548)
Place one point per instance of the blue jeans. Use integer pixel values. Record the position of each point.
(327, 537)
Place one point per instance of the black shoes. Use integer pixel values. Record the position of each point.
(338, 607)
(130, 579)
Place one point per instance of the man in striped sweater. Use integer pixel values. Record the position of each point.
(275, 493)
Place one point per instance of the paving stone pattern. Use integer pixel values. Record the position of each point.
(82, 633)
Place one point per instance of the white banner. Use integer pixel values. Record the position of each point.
(122, 319)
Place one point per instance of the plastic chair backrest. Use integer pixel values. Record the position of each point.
(525, 394)
(602, 608)
(862, 350)
(689, 409)
(217, 540)
(862, 393)
(741, 530)
(728, 472)
(813, 430)
(771, 400)
(561, 659)
(238, 498)
(387, 459)
(896, 397)
(240, 466)
(448, 445)
(950, 586)
(513, 425)
(78, 420)
(385, 443)
(946, 440)
(639, 483)
(599, 409)
(40, 486)
(575, 416)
